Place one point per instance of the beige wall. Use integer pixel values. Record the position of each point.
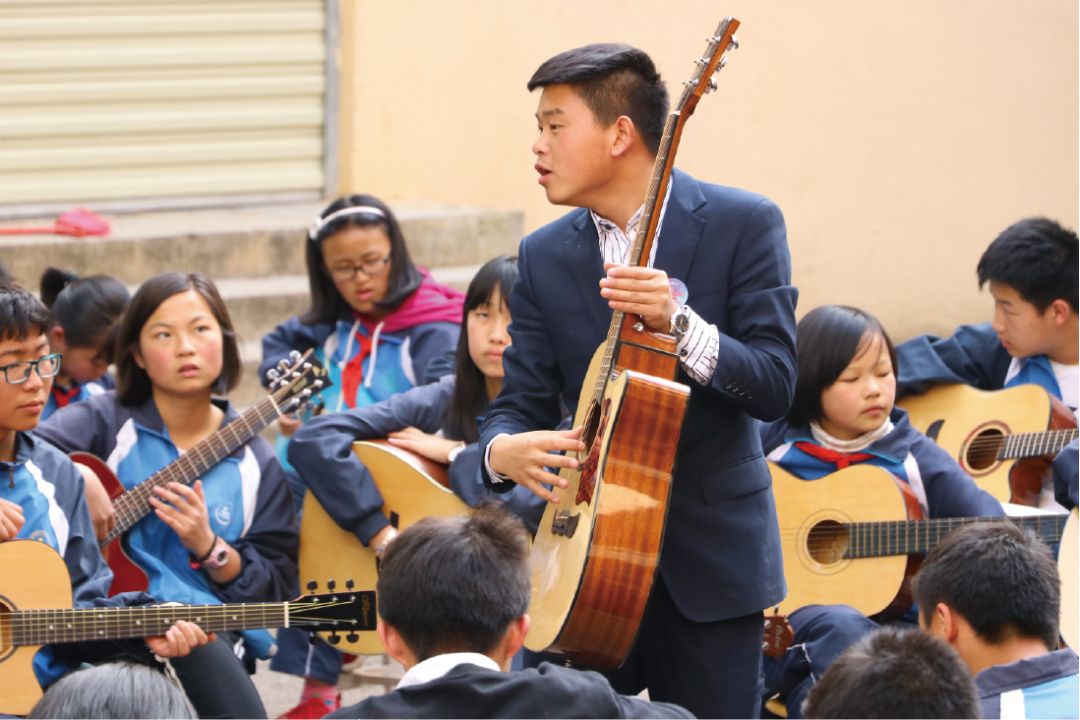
(898, 138)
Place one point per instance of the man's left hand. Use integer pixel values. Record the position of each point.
(179, 640)
(639, 291)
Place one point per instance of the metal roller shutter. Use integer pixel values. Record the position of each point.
(141, 99)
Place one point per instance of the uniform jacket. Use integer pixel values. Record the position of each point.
(721, 551)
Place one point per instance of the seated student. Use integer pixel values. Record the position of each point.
(895, 673)
(1031, 269)
(843, 413)
(229, 537)
(41, 496)
(381, 325)
(438, 421)
(1066, 476)
(85, 317)
(992, 591)
(452, 599)
(114, 690)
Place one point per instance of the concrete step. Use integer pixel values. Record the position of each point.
(246, 242)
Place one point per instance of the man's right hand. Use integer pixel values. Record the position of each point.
(11, 520)
(526, 457)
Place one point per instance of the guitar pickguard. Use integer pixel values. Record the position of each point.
(591, 467)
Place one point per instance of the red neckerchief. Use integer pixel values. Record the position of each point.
(64, 396)
(840, 459)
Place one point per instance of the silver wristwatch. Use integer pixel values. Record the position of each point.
(680, 321)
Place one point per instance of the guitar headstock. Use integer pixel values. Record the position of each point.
(296, 380)
(347, 612)
(711, 62)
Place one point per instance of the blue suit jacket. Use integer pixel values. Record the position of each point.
(721, 554)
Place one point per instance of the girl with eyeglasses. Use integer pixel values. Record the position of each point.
(381, 326)
(230, 537)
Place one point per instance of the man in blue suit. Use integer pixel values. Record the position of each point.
(720, 282)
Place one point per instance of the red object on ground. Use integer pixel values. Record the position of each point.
(78, 222)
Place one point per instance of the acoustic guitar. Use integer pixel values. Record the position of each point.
(35, 610)
(292, 387)
(1005, 439)
(595, 553)
(412, 488)
(856, 536)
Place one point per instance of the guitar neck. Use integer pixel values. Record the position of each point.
(918, 537)
(41, 627)
(134, 504)
(1036, 444)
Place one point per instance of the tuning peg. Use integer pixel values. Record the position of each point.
(294, 355)
(330, 584)
(352, 637)
(349, 584)
(334, 638)
(312, 585)
(734, 43)
(311, 638)
(722, 64)
(710, 86)
(272, 373)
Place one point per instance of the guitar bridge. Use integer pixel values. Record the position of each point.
(564, 523)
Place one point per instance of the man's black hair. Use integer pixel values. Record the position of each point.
(1038, 258)
(456, 584)
(894, 673)
(613, 79)
(999, 577)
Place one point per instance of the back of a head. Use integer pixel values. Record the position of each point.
(893, 673)
(999, 577)
(456, 584)
(114, 690)
(613, 79)
(88, 309)
(1037, 257)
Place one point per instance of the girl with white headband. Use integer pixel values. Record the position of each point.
(381, 326)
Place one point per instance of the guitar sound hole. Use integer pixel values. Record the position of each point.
(827, 543)
(983, 450)
(592, 424)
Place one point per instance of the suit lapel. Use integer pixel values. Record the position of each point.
(682, 228)
(581, 251)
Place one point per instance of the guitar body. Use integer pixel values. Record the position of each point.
(1068, 568)
(126, 574)
(811, 513)
(51, 587)
(596, 551)
(971, 425)
(412, 488)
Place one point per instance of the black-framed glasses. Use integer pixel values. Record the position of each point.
(344, 273)
(19, 372)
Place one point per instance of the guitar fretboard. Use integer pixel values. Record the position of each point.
(1036, 444)
(918, 537)
(41, 627)
(134, 504)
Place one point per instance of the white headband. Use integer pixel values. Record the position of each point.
(321, 222)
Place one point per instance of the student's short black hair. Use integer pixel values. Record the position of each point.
(613, 79)
(88, 309)
(1038, 258)
(470, 399)
(895, 673)
(133, 385)
(456, 584)
(827, 339)
(21, 314)
(327, 305)
(999, 577)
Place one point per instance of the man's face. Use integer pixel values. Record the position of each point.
(1021, 328)
(573, 151)
(21, 404)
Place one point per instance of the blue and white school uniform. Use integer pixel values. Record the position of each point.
(823, 632)
(48, 488)
(78, 392)
(1044, 686)
(247, 500)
